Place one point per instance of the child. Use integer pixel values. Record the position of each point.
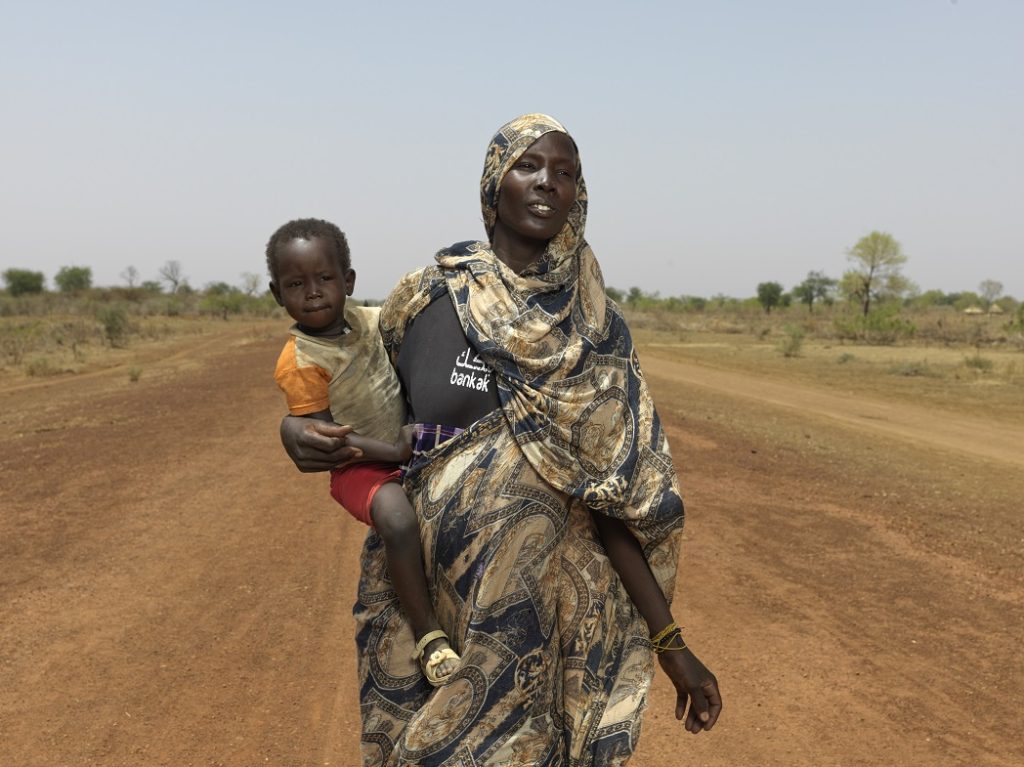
(334, 367)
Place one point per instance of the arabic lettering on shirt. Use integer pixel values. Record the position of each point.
(463, 361)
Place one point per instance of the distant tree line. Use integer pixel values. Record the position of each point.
(875, 277)
(172, 290)
(76, 279)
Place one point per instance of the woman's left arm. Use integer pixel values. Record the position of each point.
(692, 680)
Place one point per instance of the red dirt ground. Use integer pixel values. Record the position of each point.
(172, 592)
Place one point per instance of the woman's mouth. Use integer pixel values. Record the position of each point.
(540, 209)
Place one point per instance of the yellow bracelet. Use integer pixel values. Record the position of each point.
(673, 626)
(662, 641)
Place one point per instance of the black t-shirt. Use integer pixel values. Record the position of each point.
(444, 380)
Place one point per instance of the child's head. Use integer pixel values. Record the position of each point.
(310, 273)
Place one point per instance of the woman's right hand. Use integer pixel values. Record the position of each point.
(315, 445)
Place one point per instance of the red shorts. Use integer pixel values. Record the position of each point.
(354, 486)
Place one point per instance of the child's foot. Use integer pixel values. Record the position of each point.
(436, 656)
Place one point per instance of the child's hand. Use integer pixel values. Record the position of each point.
(695, 683)
(315, 445)
(405, 441)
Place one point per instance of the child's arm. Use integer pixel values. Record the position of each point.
(376, 450)
(370, 449)
(365, 448)
(691, 678)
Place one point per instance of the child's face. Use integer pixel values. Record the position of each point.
(312, 286)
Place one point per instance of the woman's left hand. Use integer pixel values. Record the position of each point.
(693, 683)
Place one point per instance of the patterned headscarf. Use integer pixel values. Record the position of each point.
(568, 376)
(507, 146)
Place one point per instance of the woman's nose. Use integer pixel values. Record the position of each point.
(543, 179)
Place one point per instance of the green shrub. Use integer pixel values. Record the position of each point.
(792, 342)
(73, 279)
(845, 357)
(16, 340)
(115, 324)
(882, 326)
(977, 362)
(22, 281)
(1017, 323)
(41, 366)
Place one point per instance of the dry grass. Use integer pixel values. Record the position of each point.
(978, 368)
(40, 347)
(962, 377)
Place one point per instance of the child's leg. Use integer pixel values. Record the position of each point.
(395, 522)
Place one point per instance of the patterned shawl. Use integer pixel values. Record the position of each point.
(569, 380)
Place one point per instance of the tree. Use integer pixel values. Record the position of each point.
(130, 275)
(151, 286)
(769, 295)
(219, 289)
(171, 274)
(990, 290)
(816, 287)
(933, 298)
(223, 299)
(250, 283)
(966, 300)
(21, 281)
(72, 279)
(877, 258)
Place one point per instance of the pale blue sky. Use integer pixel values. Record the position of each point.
(724, 144)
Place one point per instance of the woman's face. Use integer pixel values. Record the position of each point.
(538, 191)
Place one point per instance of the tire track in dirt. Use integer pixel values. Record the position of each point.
(923, 426)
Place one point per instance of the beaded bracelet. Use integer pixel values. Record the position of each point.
(662, 641)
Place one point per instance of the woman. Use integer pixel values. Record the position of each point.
(545, 445)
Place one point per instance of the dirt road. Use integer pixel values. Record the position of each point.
(173, 593)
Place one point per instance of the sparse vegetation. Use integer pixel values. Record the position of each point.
(48, 333)
(979, 363)
(42, 333)
(914, 368)
(40, 367)
(885, 325)
(792, 342)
